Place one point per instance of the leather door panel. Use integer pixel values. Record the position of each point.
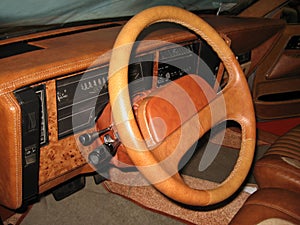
(276, 85)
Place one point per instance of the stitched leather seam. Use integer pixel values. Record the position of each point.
(10, 101)
(42, 74)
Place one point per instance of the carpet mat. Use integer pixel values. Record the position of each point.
(148, 197)
(233, 138)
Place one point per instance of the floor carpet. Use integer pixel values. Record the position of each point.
(149, 198)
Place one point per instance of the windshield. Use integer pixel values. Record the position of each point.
(21, 17)
(41, 12)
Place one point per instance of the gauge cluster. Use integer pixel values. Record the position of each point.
(177, 61)
(81, 97)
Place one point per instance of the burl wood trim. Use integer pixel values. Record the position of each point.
(61, 159)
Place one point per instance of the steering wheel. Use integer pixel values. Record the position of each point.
(238, 107)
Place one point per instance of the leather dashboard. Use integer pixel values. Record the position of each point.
(63, 53)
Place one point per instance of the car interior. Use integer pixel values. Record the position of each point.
(165, 113)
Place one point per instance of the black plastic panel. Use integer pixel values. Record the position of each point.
(41, 93)
(80, 98)
(30, 107)
(294, 43)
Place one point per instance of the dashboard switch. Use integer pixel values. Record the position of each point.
(89, 138)
(101, 156)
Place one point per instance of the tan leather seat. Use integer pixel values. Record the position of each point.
(278, 176)
(280, 166)
(270, 206)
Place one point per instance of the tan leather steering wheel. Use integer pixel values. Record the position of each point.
(238, 107)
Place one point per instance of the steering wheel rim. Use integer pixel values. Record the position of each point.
(128, 129)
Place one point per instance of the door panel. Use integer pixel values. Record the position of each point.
(276, 87)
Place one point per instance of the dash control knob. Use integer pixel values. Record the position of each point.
(104, 153)
(89, 138)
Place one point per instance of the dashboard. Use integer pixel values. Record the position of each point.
(81, 97)
(53, 90)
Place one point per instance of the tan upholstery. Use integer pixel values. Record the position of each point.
(271, 204)
(278, 175)
(280, 166)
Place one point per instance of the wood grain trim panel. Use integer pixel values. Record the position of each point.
(63, 156)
